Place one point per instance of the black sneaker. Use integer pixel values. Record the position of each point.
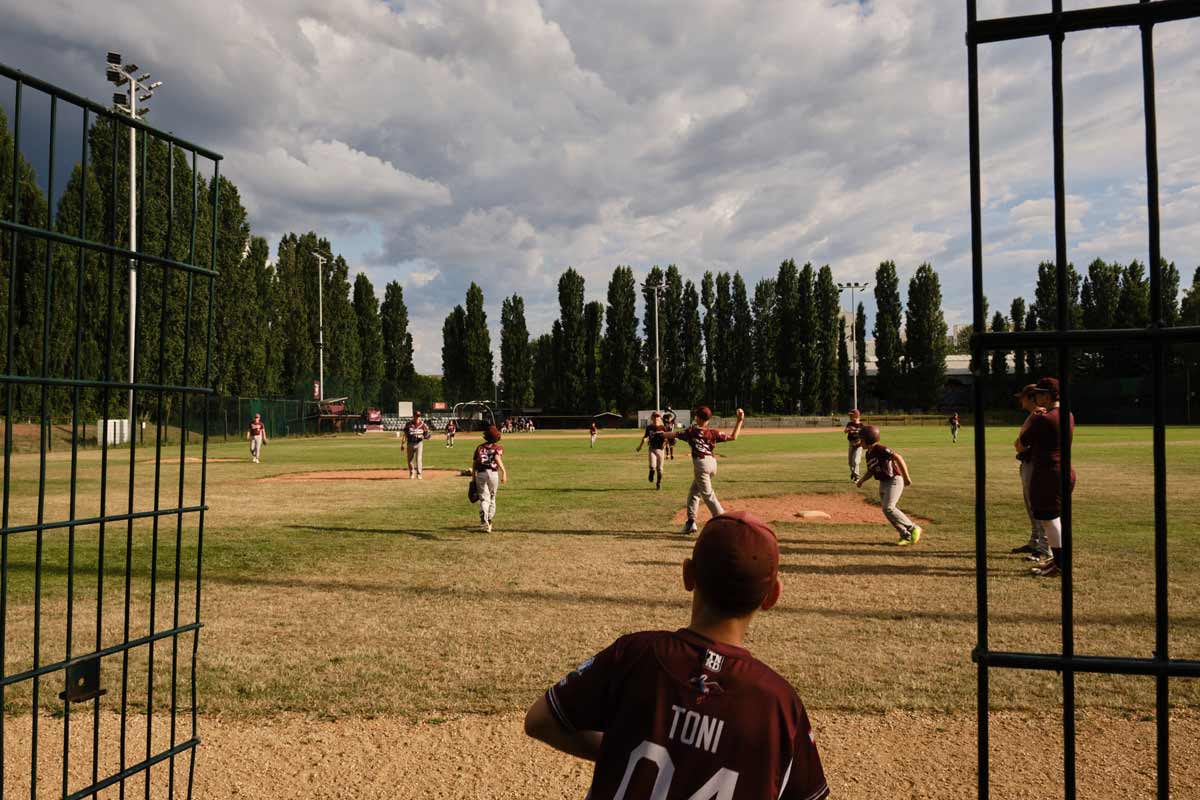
(651, 476)
(1025, 548)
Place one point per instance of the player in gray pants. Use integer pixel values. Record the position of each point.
(853, 431)
(889, 468)
(1037, 547)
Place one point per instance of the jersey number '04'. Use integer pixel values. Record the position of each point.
(719, 787)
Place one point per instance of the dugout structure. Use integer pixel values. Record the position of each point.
(100, 553)
(1063, 342)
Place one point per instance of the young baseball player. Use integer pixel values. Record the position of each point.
(703, 440)
(1040, 436)
(415, 432)
(488, 466)
(955, 424)
(669, 423)
(655, 434)
(257, 436)
(691, 713)
(889, 468)
(1036, 547)
(451, 429)
(853, 431)
(592, 434)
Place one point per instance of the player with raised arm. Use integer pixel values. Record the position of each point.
(703, 440)
(257, 436)
(487, 465)
(691, 714)
(415, 433)
(655, 434)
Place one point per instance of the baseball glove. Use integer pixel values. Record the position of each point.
(428, 434)
(473, 491)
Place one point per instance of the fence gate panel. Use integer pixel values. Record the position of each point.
(1064, 341)
(100, 547)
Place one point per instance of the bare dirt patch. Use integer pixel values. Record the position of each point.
(898, 754)
(846, 508)
(358, 475)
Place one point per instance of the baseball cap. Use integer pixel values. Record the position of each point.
(1029, 388)
(655, 414)
(492, 434)
(870, 434)
(1047, 385)
(736, 562)
(702, 413)
(854, 412)
(416, 413)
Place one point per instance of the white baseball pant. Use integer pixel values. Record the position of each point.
(703, 471)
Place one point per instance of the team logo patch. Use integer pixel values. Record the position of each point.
(713, 661)
(583, 666)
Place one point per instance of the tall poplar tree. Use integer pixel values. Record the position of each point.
(399, 374)
(622, 350)
(545, 372)
(925, 346)
(656, 277)
(569, 342)
(370, 339)
(999, 376)
(1016, 314)
(767, 388)
(479, 364)
(708, 299)
(455, 385)
(787, 302)
(845, 380)
(807, 332)
(593, 339)
(860, 345)
(691, 376)
(828, 302)
(516, 356)
(888, 348)
(725, 372)
(741, 350)
(671, 317)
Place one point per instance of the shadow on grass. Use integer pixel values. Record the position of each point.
(913, 568)
(428, 535)
(791, 550)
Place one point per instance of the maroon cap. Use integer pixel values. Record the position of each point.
(869, 434)
(702, 413)
(854, 412)
(416, 414)
(736, 561)
(492, 434)
(1048, 386)
(655, 414)
(1029, 388)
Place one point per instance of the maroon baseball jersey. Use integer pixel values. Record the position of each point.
(414, 431)
(954, 423)
(486, 455)
(703, 440)
(1041, 436)
(686, 717)
(654, 435)
(451, 427)
(853, 431)
(257, 429)
(593, 429)
(879, 462)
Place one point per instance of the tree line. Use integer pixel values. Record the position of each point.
(68, 306)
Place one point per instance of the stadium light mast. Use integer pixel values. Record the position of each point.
(657, 289)
(126, 75)
(853, 287)
(320, 326)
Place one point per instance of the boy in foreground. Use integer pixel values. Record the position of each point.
(691, 713)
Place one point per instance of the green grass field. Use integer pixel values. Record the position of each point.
(365, 598)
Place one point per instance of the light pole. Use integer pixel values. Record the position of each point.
(853, 287)
(320, 326)
(657, 289)
(124, 75)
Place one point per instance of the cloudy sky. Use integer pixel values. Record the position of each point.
(438, 142)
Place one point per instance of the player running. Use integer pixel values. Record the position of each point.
(655, 434)
(1040, 436)
(415, 433)
(592, 433)
(488, 467)
(889, 468)
(451, 429)
(669, 423)
(853, 431)
(691, 713)
(702, 440)
(955, 424)
(257, 436)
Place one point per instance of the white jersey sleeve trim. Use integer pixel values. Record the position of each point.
(559, 714)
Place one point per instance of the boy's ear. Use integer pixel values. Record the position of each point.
(772, 596)
(689, 575)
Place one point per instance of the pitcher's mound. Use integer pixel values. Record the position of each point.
(359, 475)
(847, 508)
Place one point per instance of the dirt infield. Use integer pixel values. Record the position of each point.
(847, 508)
(358, 475)
(899, 754)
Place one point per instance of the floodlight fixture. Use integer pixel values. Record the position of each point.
(155, 85)
(131, 68)
(113, 76)
(146, 96)
(145, 76)
(113, 58)
(119, 98)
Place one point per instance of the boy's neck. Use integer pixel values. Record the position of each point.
(726, 630)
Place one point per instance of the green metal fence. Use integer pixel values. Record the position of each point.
(96, 697)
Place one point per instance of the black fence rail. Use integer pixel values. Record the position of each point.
(1063, 342)
(100, 550)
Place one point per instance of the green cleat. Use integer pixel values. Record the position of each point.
(915, 533)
